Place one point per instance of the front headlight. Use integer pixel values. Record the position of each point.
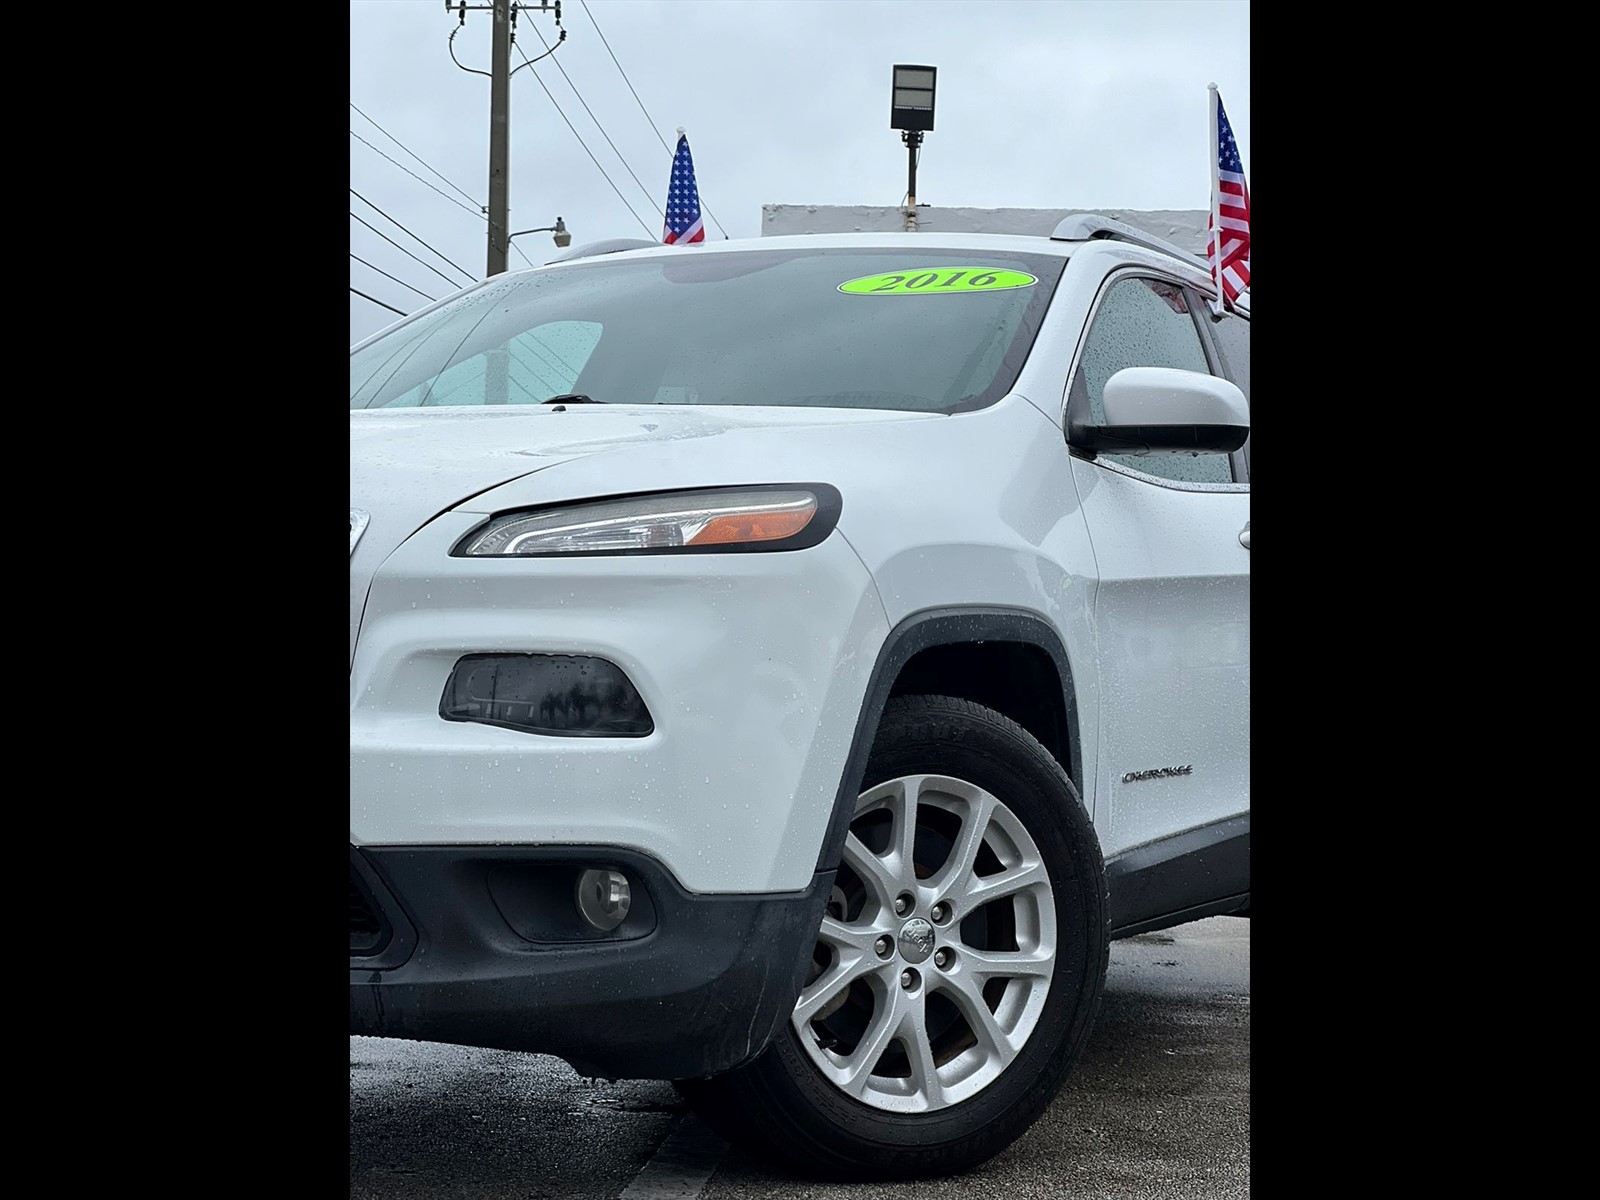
(786, 517)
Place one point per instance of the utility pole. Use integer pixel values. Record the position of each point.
(500, 73)
(500, 138)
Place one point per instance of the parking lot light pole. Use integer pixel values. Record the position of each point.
(911, 112)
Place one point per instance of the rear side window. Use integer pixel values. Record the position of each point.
(1145, 323)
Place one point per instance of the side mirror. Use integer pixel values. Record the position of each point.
(1161, 410)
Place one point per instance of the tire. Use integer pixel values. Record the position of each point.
(888, 1069)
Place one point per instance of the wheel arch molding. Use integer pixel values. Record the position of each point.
(999, 631)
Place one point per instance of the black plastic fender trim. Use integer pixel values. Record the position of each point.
(1170, 881)
(918, 632)
(1228, 906)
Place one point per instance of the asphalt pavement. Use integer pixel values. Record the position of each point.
(1157, 1109)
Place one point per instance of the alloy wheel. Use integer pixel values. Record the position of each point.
(936, 951)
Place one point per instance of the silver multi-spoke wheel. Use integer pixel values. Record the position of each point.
(937, 950)
(958, 966)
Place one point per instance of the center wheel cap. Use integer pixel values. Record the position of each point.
(916, 940)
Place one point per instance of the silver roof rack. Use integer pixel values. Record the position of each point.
(1087, 227)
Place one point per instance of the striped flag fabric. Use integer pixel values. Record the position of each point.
(683, 200)
(1229, 254)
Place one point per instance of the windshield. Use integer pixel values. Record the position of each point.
(925, 330)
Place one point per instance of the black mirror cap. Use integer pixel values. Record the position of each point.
(1093, 440)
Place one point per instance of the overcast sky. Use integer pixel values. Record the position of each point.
(1040, 104)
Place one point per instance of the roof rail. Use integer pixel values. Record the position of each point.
(1086, 227)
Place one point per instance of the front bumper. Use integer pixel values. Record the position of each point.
(476, 945)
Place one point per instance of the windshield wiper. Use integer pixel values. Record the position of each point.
(572, 398)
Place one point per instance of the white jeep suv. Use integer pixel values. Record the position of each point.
(782, 666)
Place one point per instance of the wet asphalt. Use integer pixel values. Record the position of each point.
(1157, 1109)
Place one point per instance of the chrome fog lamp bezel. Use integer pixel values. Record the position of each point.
(604, 897)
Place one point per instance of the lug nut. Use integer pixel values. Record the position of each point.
(942, 958)
(940, 913)
(883, 946)
(908, 979)
(902, 904)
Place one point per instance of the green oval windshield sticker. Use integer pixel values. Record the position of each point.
(922, 281)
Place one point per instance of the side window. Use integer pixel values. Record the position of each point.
(1232, 335)
(1146, 323)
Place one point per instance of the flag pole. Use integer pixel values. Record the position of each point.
(1216, 207)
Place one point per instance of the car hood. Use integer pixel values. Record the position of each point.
(407, 466)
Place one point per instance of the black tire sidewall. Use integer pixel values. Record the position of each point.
(941, 736)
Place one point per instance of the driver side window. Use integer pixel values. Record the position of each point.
(1145, 323)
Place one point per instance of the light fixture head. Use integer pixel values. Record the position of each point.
(911, 99)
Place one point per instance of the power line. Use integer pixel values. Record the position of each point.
(513, 379)
(555, 355)
(545, 358)
(625, 78)
(378, 302)
(386, 275)
(408, 253)
(478, 211)
(415, 176)
(409, 151)
(585, 146)
(640, 103)
(392, 221)
(601, 128)
(532, 370)
(425, 183)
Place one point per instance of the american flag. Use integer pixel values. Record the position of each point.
(683, 200)
(1230, 202)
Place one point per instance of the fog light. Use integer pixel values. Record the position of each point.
(604, 898)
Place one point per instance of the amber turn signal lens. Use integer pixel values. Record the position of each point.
(754, 527)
